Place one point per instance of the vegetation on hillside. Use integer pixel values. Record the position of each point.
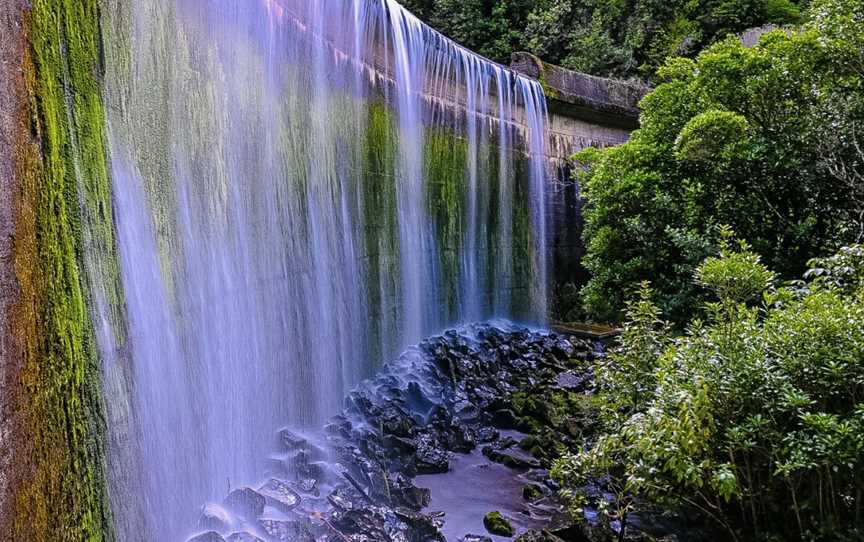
(754, 418)
(622, 38)
(765, 139)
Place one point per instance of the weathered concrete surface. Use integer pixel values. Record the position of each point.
(610, 102)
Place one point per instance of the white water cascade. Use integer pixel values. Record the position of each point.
(302, 188)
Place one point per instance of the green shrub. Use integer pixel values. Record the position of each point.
(766, 139)
(755, 417)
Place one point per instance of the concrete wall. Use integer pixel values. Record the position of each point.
(584, 110)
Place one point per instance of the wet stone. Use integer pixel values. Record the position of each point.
(210, 536)
(400, 444)
(495, 523)
(487, 434)
(291, 441)
(445, 396)
(213, 517)
(504, 419)
(243, 537)
(538, 536)
(363, 521)
(308, 485)
(570, 380)
(279, 495)
(405, 493)
(287, 530)
(431, 459)
(340, 499)
(426, 527)
(245, 502)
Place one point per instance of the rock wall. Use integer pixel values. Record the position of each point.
(55, 191)
(55, 214)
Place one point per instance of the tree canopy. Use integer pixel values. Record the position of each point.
(766, 139)
(603, 37)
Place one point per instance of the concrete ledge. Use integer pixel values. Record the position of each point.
(610, 102)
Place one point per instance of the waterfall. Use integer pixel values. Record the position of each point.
(302, 188)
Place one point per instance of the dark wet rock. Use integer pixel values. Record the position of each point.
(504, 419)
(399, 444)
(423, 527)
(509, 457)
(396, 421)
(404, 493)
(538, 536)
(209, 536)
(339, 427)
(495, 523)
(368, 522)
(487, 434)
(445, 396)
(340, 499)
(245, 502)
(475, 538)
(214, 518)
(307, 485)
(431, 458)
(572, 380)
(466, 411)
(243, 537)
(291, 441)
(279, 494)
(417, 400)
(287, 530)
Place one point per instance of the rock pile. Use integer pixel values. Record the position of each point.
(354, 481)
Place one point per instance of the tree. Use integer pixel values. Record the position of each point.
(731, 138)
(625, 38)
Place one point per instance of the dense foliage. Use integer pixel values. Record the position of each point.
(603, 37)
(767, 139)
(754, 418)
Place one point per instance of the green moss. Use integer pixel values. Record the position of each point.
(381, 235)
(446, 162)
(63, 495)
(495, 523)
(548, 90)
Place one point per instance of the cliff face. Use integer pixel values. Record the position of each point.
(58, 261)
(55, 202)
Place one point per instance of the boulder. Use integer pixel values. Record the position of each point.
(538, 536)
(214, 518)
(245, 502)
(495, 523)
(286, 530)
(431, 458)
(209, 536)
(279, 495)
(291, 441)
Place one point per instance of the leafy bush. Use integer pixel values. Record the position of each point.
(754, 417)
(733, 137)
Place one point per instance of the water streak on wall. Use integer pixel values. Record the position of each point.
(288, 217)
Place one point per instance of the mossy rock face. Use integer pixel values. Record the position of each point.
(495, 523)
(63, 217)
